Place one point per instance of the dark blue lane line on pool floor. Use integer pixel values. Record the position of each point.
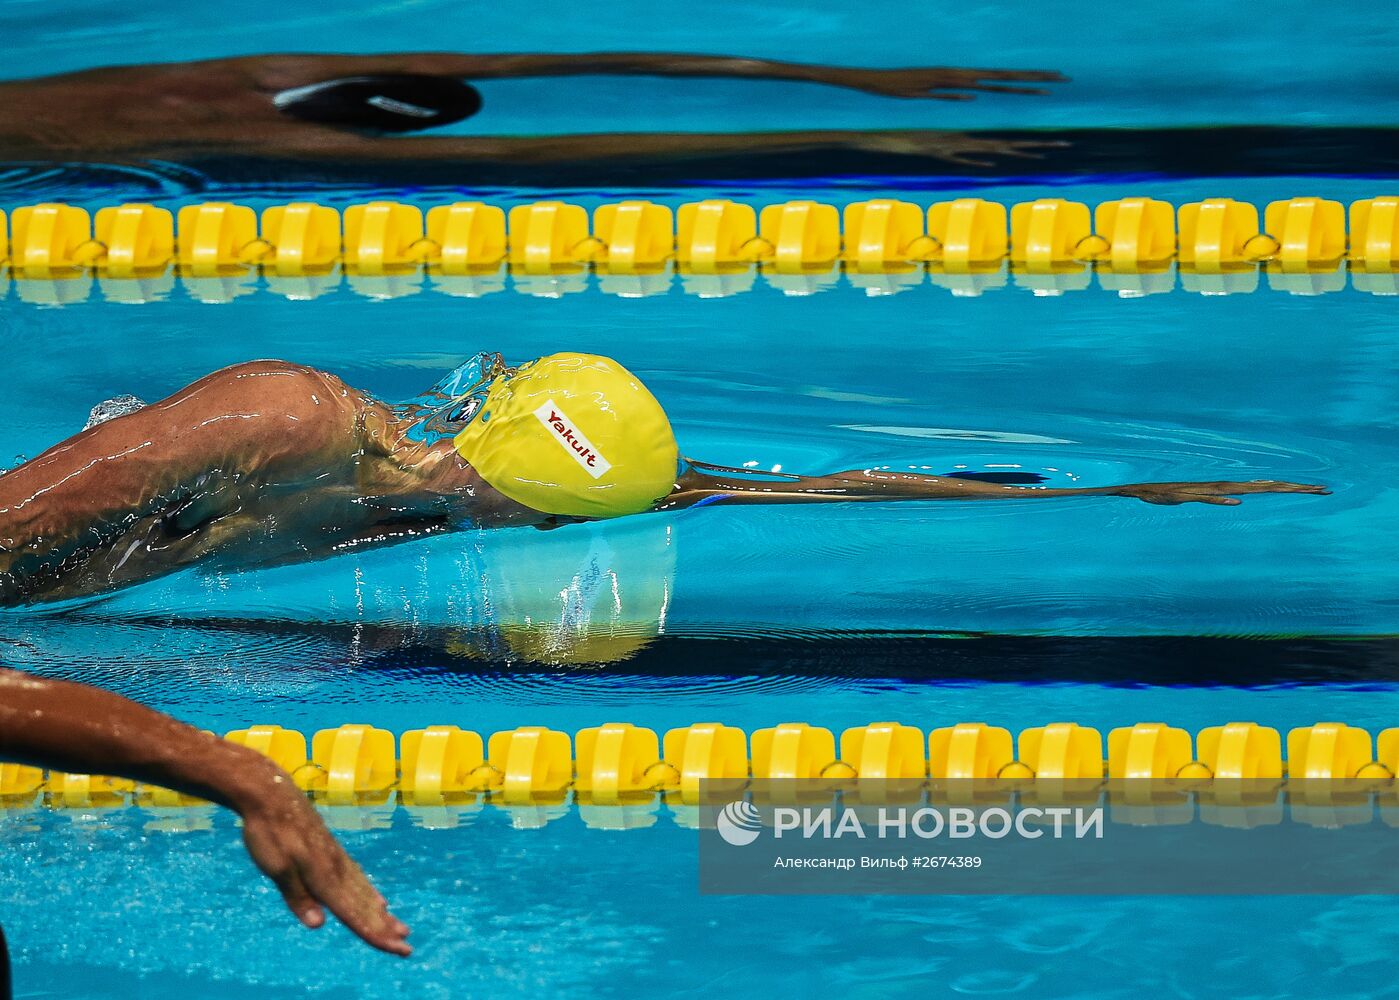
(1210, 661)
(1127, 661)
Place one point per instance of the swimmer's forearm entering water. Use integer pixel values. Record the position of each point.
(83, 729)
(703, 485)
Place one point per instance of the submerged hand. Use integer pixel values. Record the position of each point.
(291, 845)
(932, 82)
(1222, 494)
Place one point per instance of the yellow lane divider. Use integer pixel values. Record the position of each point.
(1241, 763)
(704, 237)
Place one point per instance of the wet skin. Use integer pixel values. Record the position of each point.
(82, 729)
(180, 111)
(268, 462)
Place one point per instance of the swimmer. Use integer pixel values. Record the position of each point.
(334, 107)
(83, 729)
(268, 462)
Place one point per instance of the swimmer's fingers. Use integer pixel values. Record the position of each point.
(1020, 75)
(298, 898)
(990, 88)
(332, 878)
(942, 83)
(1269, 486)
(950, 91)
(1278, 486)
(1221, 494)
(269, 844)
(288, 841)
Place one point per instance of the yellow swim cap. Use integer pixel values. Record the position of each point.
(573, 434)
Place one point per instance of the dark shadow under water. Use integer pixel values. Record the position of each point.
(1079, 153)
(1129, 661)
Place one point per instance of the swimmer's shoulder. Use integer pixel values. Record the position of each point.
(283, 378)
(284, 392)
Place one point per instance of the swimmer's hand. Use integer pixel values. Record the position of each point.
(1222, 494)
(935, 82)
(287, 839)
(82, 729)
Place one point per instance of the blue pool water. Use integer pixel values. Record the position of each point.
(1086, 388)
(1106, 612)
(565, 911)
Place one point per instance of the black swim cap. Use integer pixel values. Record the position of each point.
(384, 102)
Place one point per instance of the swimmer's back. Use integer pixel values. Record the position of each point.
(254, 426)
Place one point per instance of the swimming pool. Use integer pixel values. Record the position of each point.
(1106, 612)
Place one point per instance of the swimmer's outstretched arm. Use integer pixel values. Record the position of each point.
(74, 727)
(218, 106)
(913, 81)
(703, 484)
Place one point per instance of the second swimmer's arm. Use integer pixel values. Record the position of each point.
(909, 82)
(701, 485)
(79, 728)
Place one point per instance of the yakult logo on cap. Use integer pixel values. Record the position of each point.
(567, 434)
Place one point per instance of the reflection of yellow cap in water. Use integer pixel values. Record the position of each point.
(592, 594)
(573, 434)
